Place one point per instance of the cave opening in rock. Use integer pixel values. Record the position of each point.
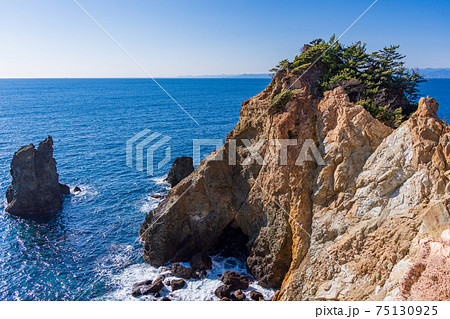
(231, 243)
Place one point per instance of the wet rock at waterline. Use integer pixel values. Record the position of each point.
(177, 284)
(153, 288)
(35, 189)
(137, 288)
(179, 270)
(223, 291)
(238, 295)
(64, 189)
(256, 295)
(235, 280)
(201, 261)
(147, 287)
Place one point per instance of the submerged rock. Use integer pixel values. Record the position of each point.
(35, 189)
(76, 189)
(181, 168)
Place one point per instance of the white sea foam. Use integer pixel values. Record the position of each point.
(200, 290)
(148, 204)
(87, 193)
(121, 256)
(161, 181)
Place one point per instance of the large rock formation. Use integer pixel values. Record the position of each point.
(354, 228)
(35, 189)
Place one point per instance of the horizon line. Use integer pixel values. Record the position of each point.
(203, 76)
(133, 77)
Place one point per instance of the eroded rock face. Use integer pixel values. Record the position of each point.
(369, 234)
(35, 188)
(346, 230)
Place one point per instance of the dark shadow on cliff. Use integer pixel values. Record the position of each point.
(231, 243)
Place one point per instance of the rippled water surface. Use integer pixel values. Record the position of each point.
(90, 250)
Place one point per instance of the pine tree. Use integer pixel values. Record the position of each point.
(377, 80)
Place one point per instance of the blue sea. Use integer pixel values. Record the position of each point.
(90, 250)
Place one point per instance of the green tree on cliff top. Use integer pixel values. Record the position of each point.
(379, 80)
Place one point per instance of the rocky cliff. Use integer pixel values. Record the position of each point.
(370, 222)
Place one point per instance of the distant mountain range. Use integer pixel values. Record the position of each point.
(435, 73)
(429, 73)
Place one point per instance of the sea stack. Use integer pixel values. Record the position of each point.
(181, 168)
(35, 189)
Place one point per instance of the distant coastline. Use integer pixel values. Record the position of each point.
(228, 76)
(435, 73)
(429, 73)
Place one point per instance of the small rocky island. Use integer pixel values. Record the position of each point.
(35, 189)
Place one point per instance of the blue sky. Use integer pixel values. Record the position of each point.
(55, 38)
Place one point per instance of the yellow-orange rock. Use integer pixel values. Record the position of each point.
(370, 224)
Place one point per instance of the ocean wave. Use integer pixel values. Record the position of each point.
(148, 204)
(120, 256)
(161, 187)
(161, 181)
(195, 290)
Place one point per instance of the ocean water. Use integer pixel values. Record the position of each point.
(90, 250)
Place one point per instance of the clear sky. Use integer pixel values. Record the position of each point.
(55, 38)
